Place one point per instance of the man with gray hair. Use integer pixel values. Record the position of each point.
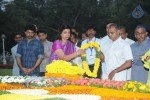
(118, 56)
(139, 48)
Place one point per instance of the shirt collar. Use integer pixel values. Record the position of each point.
(144, 42)
(117, 39)
(92, 40)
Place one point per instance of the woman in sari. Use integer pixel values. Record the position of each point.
(62, 48)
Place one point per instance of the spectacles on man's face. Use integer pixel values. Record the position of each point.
(137, 33)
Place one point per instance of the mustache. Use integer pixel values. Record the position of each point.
(90, 34)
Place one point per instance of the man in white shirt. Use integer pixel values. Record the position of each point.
(108, 41)
(47, 50)
(106, 38)
(91, 52)
(118, 56)
(124, 35)
(18, 37)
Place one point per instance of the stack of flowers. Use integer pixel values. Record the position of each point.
(65, 69)
(5, 86)
(99, 83)
(112, 94)
(12, 79)
(37, 82)
(12, 82)
(71, 89)
(136, 87)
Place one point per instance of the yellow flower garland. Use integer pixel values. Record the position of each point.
(97, 59)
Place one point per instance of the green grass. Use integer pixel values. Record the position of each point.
(4, 92)
(4, 72)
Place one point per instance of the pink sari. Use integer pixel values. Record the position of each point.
(68, 48)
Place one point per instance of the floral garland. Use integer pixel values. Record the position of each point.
(97, 59)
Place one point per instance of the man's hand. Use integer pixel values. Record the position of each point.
(25, 70)
(30, 70)
(111, 75)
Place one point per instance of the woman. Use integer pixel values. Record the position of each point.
(62, 48)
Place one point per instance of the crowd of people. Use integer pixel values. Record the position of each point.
(120, 56)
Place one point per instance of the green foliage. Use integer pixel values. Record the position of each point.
(4, 92)
(50, 15)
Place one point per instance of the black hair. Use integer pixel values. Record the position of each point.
(30, 27)
(90, 27)
(122, 27)
(74, 34)
(63, 27)
(17, 33)
(41, 31)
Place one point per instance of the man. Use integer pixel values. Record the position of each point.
(77, 43)
(124, 35)
(118, 56)
(108, 41)
(73, 29)
(84, 36)
(47, 50)
(139, 48)
(74, 39)
(91, 52)
(17, 38)
(106, 38)
(30, 53)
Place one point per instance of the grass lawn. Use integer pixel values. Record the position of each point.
(4, 72)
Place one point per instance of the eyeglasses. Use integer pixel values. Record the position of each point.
(136, 33)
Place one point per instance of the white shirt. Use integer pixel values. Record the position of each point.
(117, 54)
(78, 59)
(105, 40)
(47, 49)
(15, 71)
(91, 52)
(129, 41)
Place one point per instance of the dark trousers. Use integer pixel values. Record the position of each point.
(42, 74)
(99, 72)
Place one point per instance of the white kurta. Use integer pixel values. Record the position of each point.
(129, 41)
(15, 71)
(115, 56)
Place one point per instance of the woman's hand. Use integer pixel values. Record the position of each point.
(80, 52)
